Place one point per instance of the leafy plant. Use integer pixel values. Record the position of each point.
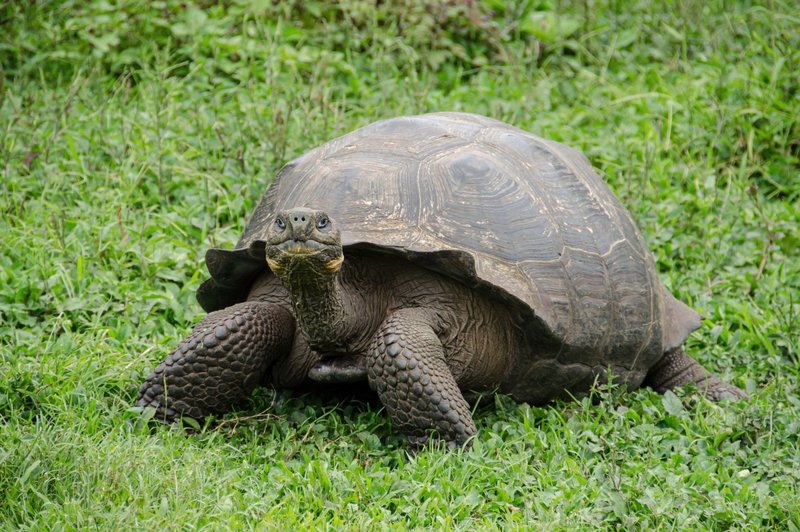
(135, 135)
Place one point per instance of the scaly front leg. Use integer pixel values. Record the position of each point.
(406, 366)
(220, 363)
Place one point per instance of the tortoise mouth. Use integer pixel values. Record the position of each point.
(301, 247)
(304, 257)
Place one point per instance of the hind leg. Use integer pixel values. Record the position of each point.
(678, 369)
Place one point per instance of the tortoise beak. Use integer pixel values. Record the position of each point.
(300, 247)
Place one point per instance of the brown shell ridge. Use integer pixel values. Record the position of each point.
(232, 272)
(570, 314)
(681, 319)
(615, 212)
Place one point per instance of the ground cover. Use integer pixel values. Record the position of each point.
(134, 135)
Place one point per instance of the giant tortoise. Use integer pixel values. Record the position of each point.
(434, 257)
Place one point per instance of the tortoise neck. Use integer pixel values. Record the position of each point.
(324, 310)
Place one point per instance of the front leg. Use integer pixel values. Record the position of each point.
(220, 363)
(407, 367)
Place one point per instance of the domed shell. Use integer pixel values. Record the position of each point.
(523, 218)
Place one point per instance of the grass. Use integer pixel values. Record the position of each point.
(134, 135)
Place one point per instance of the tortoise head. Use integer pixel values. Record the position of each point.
(303, 241)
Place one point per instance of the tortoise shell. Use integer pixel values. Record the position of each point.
(522, 218)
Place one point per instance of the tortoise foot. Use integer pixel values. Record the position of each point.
(407, 368)
(219, 363)
(677, 369)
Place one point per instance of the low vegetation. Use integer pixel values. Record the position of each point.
(134, 135)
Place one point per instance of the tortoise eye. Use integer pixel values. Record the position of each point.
(280, 224)
(323, 222)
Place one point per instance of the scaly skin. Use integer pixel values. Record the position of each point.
(220, 363)
(406, 366)
(678, 369)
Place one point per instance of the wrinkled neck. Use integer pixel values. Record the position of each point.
(321, 307)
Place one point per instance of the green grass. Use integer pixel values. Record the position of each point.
(134, 135)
